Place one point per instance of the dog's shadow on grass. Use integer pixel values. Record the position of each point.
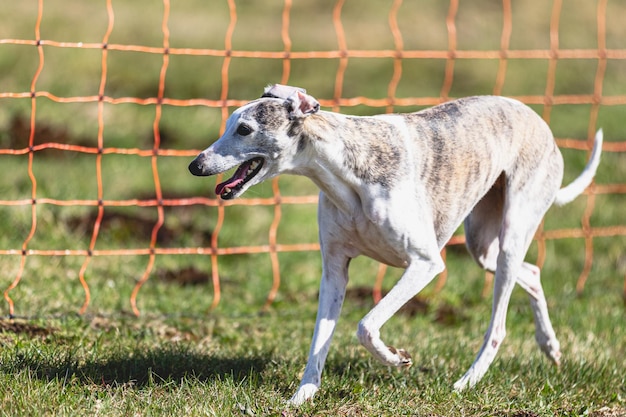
(53, 357)
(156, 366)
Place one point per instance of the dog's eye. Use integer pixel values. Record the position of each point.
(244, 130)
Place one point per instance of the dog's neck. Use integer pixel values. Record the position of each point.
(324, 159)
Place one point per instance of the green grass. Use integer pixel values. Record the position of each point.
(179, 358)
(226, 362)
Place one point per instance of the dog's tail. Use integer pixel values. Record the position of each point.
(576, 187)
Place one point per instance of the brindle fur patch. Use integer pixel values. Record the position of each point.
(371, 151)
(270, 114)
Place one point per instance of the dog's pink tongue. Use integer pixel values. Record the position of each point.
(233, 181)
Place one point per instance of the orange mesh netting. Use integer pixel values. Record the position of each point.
(453, 56)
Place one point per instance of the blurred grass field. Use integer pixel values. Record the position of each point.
(180, 359)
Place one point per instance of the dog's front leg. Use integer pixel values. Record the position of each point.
(332, 293)
(417, 275)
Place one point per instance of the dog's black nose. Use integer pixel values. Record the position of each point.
(196, 166)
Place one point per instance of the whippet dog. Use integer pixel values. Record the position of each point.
(395, 187)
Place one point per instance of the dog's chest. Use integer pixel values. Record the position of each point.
(361, 234)
(377, 243)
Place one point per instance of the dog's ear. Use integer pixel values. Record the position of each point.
(280, 91)
(301, 105)
(298, 102)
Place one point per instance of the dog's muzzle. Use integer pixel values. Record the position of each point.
(196, 167)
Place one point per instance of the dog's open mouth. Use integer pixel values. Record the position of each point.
(227, 189)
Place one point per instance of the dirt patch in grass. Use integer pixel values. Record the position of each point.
(17, 136)
(609, 412)
(121, 225)
(24, 327)
(184, 276)
(443, 313)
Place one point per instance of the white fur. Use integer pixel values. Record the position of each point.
(395, 188)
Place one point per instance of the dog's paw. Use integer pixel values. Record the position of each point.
(555, 357)
(550, 346)
(462, 384)
(470, 379)
(552, 350)
(305, 392)
(404, 359)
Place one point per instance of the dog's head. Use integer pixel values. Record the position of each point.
(260, 137)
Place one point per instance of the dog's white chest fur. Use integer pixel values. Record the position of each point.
(361, 235)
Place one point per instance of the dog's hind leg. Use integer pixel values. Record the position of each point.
(509, 260)
(529, 280)
(484, 228)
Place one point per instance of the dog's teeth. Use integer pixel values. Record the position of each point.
(227, 190)
(253, 166)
